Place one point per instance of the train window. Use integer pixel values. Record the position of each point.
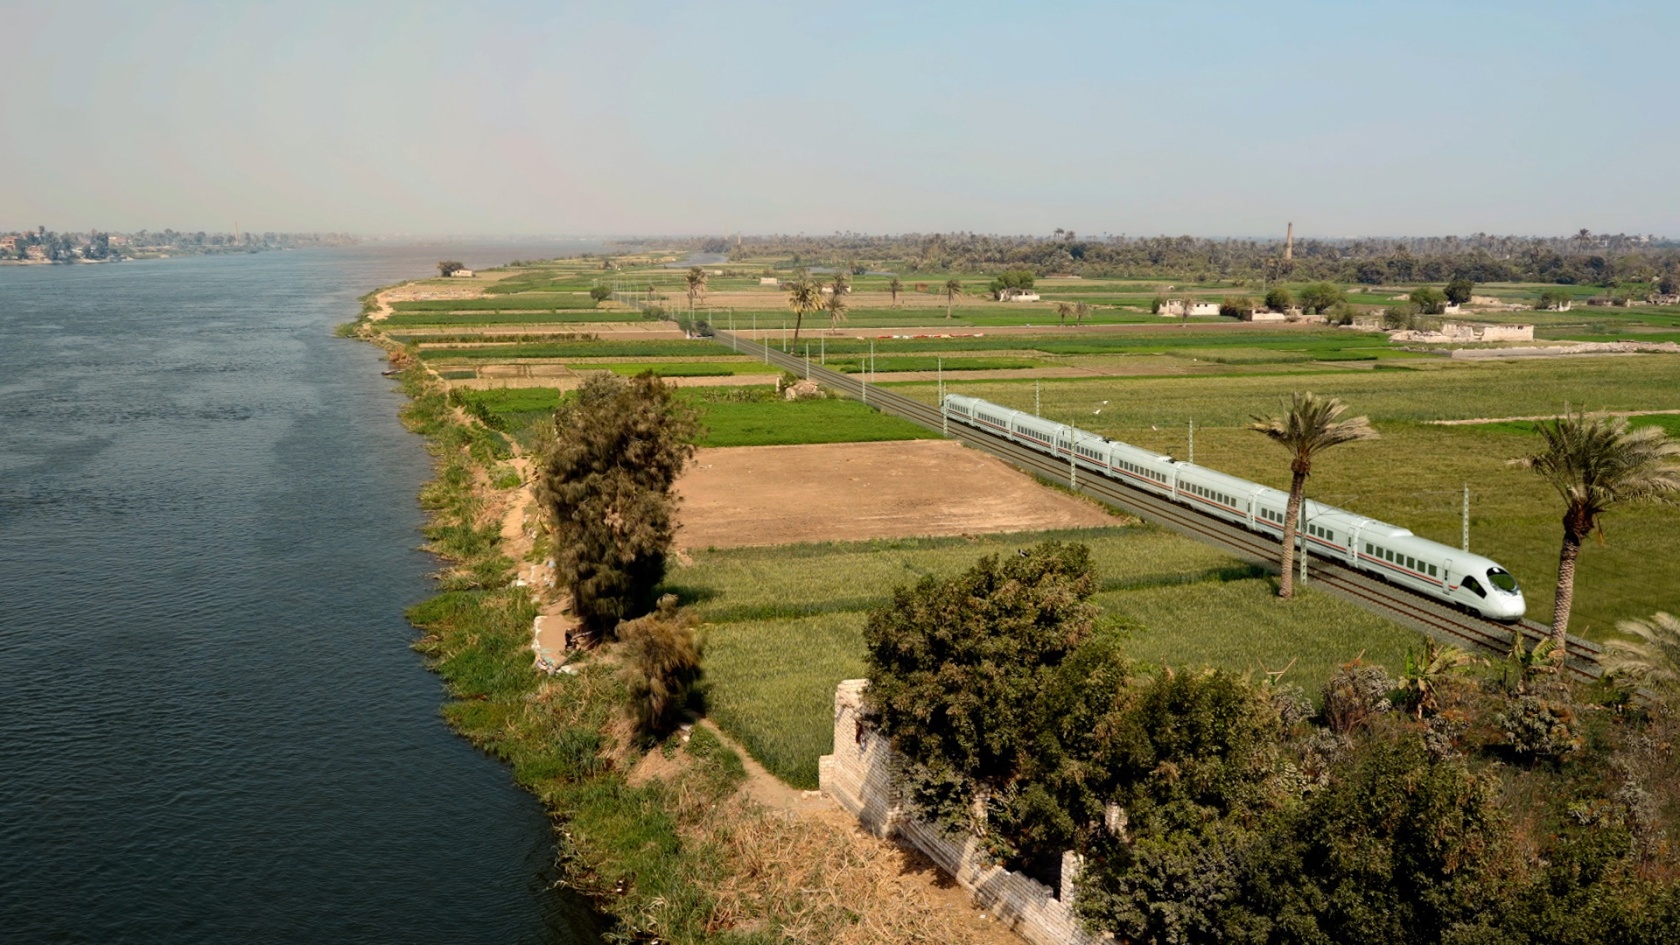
(1411, 563)
(1474, 586)
(1502, 579)
(1432, 571)
(1368, 548)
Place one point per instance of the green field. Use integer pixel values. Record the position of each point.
(784, 625)
(485, 319)
(547, 302)
(566, 350)
(731, 416)
(1514, 515)
(745, 417)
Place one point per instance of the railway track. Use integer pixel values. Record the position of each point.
(1424, 614)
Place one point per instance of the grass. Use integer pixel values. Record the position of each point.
(733, 417)
(1514, 514)
(511, 303)
(903, 363)
(784, 625)
(449, 320)
(565, 350)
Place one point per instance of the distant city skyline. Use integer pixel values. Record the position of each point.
(1207, 119)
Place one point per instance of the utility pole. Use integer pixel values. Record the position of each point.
(1301, 530)
(1192, 439)
(1467, 517)
(1037, 388)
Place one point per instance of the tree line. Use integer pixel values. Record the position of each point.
(101, 245)
(1581, 259)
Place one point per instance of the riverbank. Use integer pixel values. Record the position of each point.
(678, 841)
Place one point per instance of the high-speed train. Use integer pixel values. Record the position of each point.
(1472, 582)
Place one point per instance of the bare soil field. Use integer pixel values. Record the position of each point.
(776, 495)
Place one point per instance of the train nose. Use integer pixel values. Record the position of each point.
(1512, 606)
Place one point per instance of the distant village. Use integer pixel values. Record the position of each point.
(42, 246)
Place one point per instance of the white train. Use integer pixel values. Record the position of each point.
(1472, 582)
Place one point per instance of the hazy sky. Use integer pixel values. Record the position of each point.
(1355, 117)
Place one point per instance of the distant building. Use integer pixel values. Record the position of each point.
(1017, 295)
(769, 280)
(1176, 308)
(461, 274)
(1660, 299)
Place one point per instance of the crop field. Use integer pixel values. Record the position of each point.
(783, 625)
(535, 301)
(1514, 515)
(732, 416)
(448, 319)
(568, 350)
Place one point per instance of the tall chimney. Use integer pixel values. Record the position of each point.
(1289, 243)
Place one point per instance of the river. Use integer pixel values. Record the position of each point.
(212, 728)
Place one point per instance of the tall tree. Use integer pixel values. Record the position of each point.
(953, 288)
(696, 280)
(895, 287)
(804, 297)
(606, 479)
(836, 301)
(1063, 310)
(1309, 425)
(1081, 311)
(1595, 463)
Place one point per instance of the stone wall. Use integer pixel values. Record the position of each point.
(861, 776)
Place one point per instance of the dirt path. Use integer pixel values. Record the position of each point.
(1549, 416)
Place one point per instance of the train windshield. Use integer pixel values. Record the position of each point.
(1502, 579)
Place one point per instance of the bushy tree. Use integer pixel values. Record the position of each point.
(661, 665)
(1429, 300)
(957, 665)
(600, 293)
(1319, 296)
(1236, 306)
(449, 267)
(1279, 298)
(1013, 279)
(606, 479)
(1459, 291)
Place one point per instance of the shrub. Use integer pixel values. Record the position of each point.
(600, 293)
(1538, 728)
(1354, 695)
(661, 665)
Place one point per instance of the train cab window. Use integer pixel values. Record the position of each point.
(1501, 579)
(1474, 585)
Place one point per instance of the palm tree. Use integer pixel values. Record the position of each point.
(1652, 657)
(1595, 462)
(1063, 310)
(953, 288)
(696, 280)
(1081, 311)
(804, 296)
(836, 302)
(1310, 424)
(895, 287)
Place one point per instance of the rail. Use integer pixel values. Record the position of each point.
(1404, 607)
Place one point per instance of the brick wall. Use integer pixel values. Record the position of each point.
(860, 775)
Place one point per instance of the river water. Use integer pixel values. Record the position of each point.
(211, 726)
